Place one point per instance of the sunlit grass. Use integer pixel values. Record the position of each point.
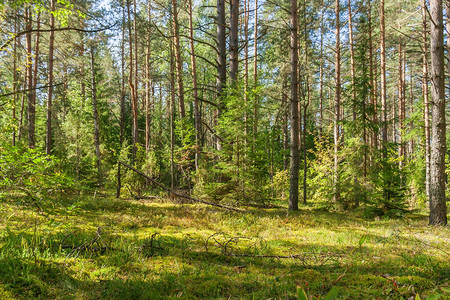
(163, 250)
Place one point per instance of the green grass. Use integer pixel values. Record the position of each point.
(162, 250)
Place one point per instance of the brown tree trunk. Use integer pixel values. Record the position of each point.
(178, 62)
(14, 84)
(383, 77)
(321, 123)
(352, 58)
(95, 115)
(373, 88)
(148, 83)
(295, 155)
(49, 140)
(133, 92)
(197, 116)
(172, 115)
(337, 98)
(234, 33)
(255, 71)
(122, 101)
(425, 98)
(438, 208)
(222, 62)
(401, 105)
(31, 100)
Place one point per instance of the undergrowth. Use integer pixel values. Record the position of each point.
(103, 248)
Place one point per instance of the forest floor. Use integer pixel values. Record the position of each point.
(103, 248)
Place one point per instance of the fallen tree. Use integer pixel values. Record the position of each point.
(179, 194)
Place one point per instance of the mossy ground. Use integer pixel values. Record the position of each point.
(162, 250)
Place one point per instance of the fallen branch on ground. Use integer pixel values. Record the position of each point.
(178, 194)
(35, 202)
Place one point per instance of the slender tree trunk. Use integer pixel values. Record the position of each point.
(246, 19)
(148, 84)
(255, 71)
(383, 77)
(321, 126)
(425, 98)
(49, 140)
(122, 100)
(172, 115)
(438, 208)
(14, 84)
(178, 62)
(95, 114)
(234, 33)
(401, 105)
(284, 100)
(295, 155)
(222, 62)
(31, 101)
(136, 58)
(373, 88)
(197, 116)
(352, 59)
(337, 98)
(133, 92)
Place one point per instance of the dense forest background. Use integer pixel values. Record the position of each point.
(250, 102)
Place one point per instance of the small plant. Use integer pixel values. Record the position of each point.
(304, 295)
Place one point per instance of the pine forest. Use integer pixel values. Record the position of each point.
(224, 149)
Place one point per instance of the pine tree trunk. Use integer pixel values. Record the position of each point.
(255, 71)
(31, 101)
(373, 88)
(95, 115)
(426, 104)
(337, 99)
(148, 83)
(295, 155)
(197, 116)
(401, 105)
(172, 115)
(321, 126)
(14, 84)
(438, 209)
(383, 78)
(178, 62)
(134, 102)
(49, 140)
(222, 63)
(234, 33)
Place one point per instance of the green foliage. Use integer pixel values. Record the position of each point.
(31, 170)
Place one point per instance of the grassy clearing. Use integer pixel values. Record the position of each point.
(147, 250)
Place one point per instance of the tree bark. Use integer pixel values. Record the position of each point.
(221, 62)
(95, 115)
(383, 77)
(401, 105)
(373, 82)
(197, 116)
(14, 85)
(321, 125)
(255, 71)
(148, 83)
(438, 208)
(49, 140)
(133, 92)
(337, 100)
(178, 62)
(31, 101)
(234, 33)
(426, 114)
(295, 155)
